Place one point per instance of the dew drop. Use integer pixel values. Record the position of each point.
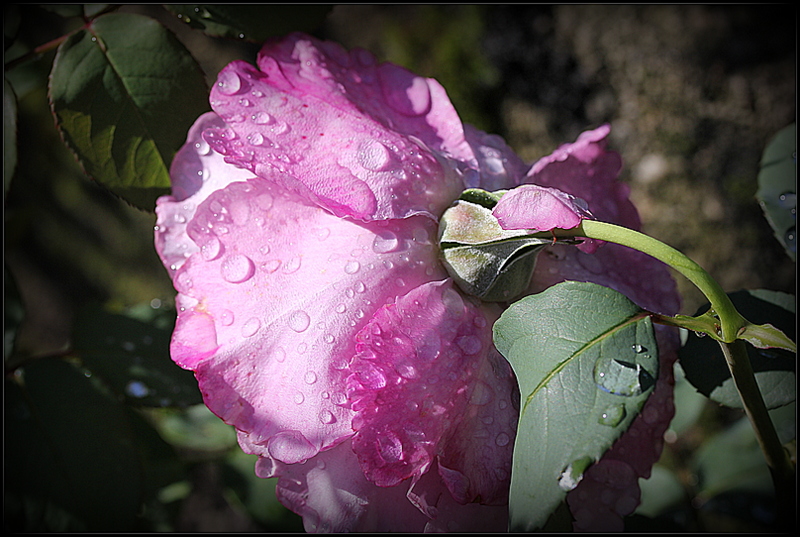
(374, 156)
(272, 265)
(299, 321)
(237, 268)
(502, 439)
(328, 338)
(327, 417)
(292, 266)
(229, 82)
(265, 201)
(352, 266)
(385, 241)
(787, 200)
(211, 249)
(255, 138)
(790, 238)
(390, 448)
(250, 327)
(620, 377)
(469, 344)
(612, 416)
(310, 377)
(226, 317)
(482, 394)
(638, 349)
(340, 308)
(290, 447)
(573, 474)
(261, 118)
(299, 398)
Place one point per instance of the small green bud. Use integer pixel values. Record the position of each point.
(484, 259)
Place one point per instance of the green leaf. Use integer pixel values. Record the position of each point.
(586, 360)
(777, 187)
(251, 22)
(133, 358)
(775, 369)
(68, 453)
(124, 92)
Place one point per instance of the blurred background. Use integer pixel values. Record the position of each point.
(693, 95)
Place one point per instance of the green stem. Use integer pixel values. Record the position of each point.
(731, 322)
(780, 467)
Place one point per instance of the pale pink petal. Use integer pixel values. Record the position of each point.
(360, 140)
(426, 383)
(540, 209)
(196, 172)
(586, 170)
(269, 313)
(332, 495)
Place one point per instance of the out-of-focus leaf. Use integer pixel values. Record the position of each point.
(195, 428)
(775, 369)
(9, 135)
(133, 358)
(125, 92)
(586, 360)
(69, 450)
(13, 314)
(660, 491)
(252, 22)
(777, 187)
(257, 495)
(733, 460)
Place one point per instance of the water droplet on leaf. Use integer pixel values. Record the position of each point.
(613, 415)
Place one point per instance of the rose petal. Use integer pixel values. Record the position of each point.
(426, 382)
(196, 171)
(353, 137)
(540, 209)
(496, 167)
(282, 293)
(586, 170)
(332, 495)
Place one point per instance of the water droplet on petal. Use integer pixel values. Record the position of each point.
(482, 394)
(299, 398)
(352, 266)
(250, 327)
(255, 138)
(469, 344)
(299, 320)
(390, 448)
(374, 156)
(290, 447)
(226, 317)
(385, 241)
(292, 266)
(237, 268)
(613, 415)
(229, 82)
(310, 377)
(502, 439)
(211, 249)
(327, 417)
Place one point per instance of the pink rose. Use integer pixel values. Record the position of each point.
(301, 237)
